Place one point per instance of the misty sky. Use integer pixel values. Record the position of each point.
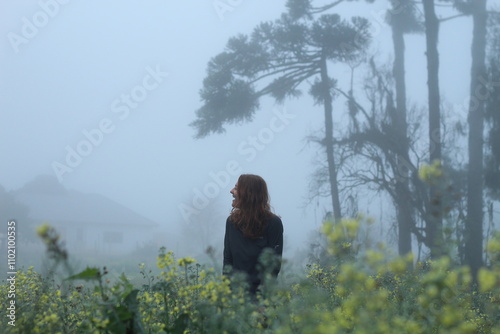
(132, 70)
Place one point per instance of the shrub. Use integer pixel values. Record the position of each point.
(365, 293)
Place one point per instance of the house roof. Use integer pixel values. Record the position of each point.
(47, 200)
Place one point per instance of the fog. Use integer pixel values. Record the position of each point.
(99, 96)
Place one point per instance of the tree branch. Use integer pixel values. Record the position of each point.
(452, 17)
(317, 10)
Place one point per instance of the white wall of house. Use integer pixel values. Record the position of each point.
(104, 239)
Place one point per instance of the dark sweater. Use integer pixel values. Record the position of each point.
(241, 254)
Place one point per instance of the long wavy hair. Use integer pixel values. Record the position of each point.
(252, 210)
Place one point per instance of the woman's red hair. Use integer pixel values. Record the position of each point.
(252, 211)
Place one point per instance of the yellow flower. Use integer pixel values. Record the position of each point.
(432, 291)
(398, 266)
(352, 226)
(430, 173)
(43, 229)
(493, 245)
(165, 260)
(449, 316)
(373, 257)
(370, 283)
(185, 261)
(487, 279)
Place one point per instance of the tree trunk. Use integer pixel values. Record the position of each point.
(434, 219)
(332, 168)
(403, 206)
(478, 91)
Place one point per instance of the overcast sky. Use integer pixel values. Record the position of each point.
(124, 76)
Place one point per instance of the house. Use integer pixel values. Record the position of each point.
(88, 223)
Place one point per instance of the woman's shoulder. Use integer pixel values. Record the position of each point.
(229, 221)
(275, 221)
(275, 217)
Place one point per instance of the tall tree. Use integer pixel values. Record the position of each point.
(475, 179)
(277, 58)
(435, 209)
(492, 159)
(402, 19)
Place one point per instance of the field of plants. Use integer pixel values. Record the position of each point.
(342, 293)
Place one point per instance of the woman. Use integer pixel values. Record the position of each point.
(252, 228)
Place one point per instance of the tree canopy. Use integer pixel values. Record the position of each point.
(274, 60)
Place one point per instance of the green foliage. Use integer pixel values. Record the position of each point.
(87, 275)
(299, 8)
(404, 17)
(364, 291)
